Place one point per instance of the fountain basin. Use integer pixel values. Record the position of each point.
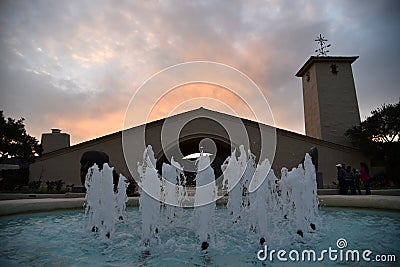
(18, 206)
(60, 239)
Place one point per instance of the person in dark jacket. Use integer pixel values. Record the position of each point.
(341, 175)
(357, 181)
(350, 181)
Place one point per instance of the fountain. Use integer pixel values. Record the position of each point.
(204, 201)
(263, 212)
(150, 196)
(121, 197)
(174, 191)
(268, 203)
(102, 204)
(233, 169)
(258, 201)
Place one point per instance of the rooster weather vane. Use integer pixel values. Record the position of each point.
(322, 51)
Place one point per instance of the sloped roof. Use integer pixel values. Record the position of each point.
(192, 113)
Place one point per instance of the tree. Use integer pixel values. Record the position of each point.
(378, 137)
(15, 142)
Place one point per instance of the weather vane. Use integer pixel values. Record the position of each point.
(323, 46)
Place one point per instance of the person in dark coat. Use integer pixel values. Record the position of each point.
(350, 181)
(341, 175)
(357, 181)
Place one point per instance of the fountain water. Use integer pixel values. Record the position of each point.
(299, 197)
(233, 169)
(204, 201)
(57, 238)
(154, 190)
(102, 205)
(121, 197)
(264, 209)
(150, 196)
(258, 201)
(262, 206)
(174, 191)
(268, 204)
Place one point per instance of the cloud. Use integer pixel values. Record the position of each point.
(75, 65)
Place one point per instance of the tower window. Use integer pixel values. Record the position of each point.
(308, 76)
(334, 69)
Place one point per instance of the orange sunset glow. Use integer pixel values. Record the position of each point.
(76, 66)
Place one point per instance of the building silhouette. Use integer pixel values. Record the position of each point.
(330, 108)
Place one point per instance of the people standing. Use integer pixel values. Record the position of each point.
(341, 175)
(350, 181)
(357, 181)
(366, 178)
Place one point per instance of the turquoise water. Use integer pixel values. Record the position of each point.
(61, 239)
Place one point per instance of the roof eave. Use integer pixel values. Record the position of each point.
(314, 59)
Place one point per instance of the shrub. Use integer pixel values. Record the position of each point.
(59, 184)
(54, 186)
(34, 185)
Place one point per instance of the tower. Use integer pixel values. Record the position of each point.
(54, 140)
(329, 95)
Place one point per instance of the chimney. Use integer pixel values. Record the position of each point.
(54, 140)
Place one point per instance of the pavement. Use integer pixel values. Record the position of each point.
(18, 206)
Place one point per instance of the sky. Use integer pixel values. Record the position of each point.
(75, 65)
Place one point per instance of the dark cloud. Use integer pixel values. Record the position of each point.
(74, 65)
